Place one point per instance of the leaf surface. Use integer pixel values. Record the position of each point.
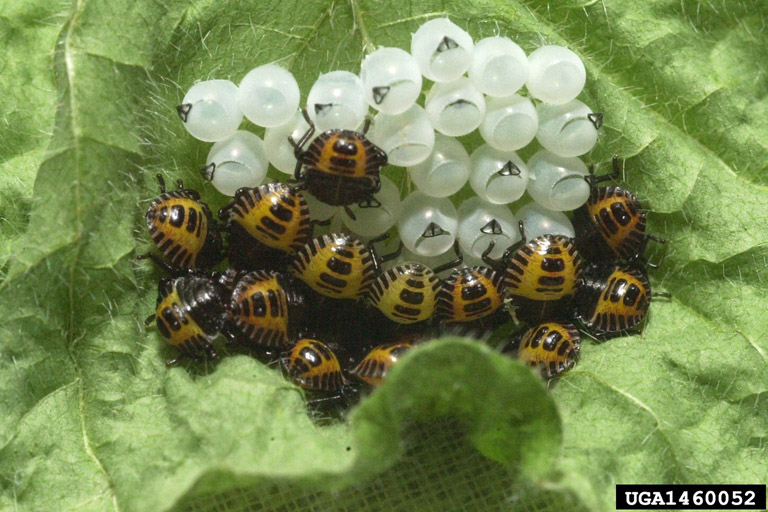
(93, 420)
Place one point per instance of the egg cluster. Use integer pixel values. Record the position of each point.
(330, 307)
(475, 86)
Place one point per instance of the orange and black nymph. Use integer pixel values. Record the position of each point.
(313, 365)
(469, 294)
(189, 314)
(613, 299)
(264, 311)
(610, 226)
(183, 229)
(407, 293)
(550, 346)
(337, 265)
(266, 225)
(373, 368)
(339, 167)
(541, 276)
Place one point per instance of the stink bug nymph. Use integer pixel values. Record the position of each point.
(407, 293)
(314, 366)
(264, 311)
(614, 300)
(183, 229)
(340, 167)
(552, 347)
(610, 227)
(189, 314)
(266, 225)
(373, 368)
(469, 294)
(339, 266)
(541, 276)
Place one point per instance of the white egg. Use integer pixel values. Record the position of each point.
(407, 138)
(510, 123)
(373, 221)
(557, 182)
(210, 111)
(235, 162)
(442, 49)
(499, 66)
(336, 101)
(538, 221)
(499, 177)
(555, 74)
(569, 129)
(455, 108)
(391, 80)
(269, 95)
(480, 223)
(445, 171)
(279, 151)
(427, 225)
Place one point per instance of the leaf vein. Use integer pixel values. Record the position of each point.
(77, 200)
(644, 407)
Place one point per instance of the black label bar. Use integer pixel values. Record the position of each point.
(690, 497)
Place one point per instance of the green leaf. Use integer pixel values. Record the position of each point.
(28, 34)
(93, 420)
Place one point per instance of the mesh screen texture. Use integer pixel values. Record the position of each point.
(440, 471)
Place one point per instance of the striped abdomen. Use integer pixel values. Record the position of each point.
(552, 347)
(376, 364)
(406, 293)
(273, 214)
(344, 153)
(313, 365)
(341, 167)
(180, 226)
(335, 265)
(546, 268)
(614, 301)
(188, 314)
(617, 216)
(469, 294)
(258, 310)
